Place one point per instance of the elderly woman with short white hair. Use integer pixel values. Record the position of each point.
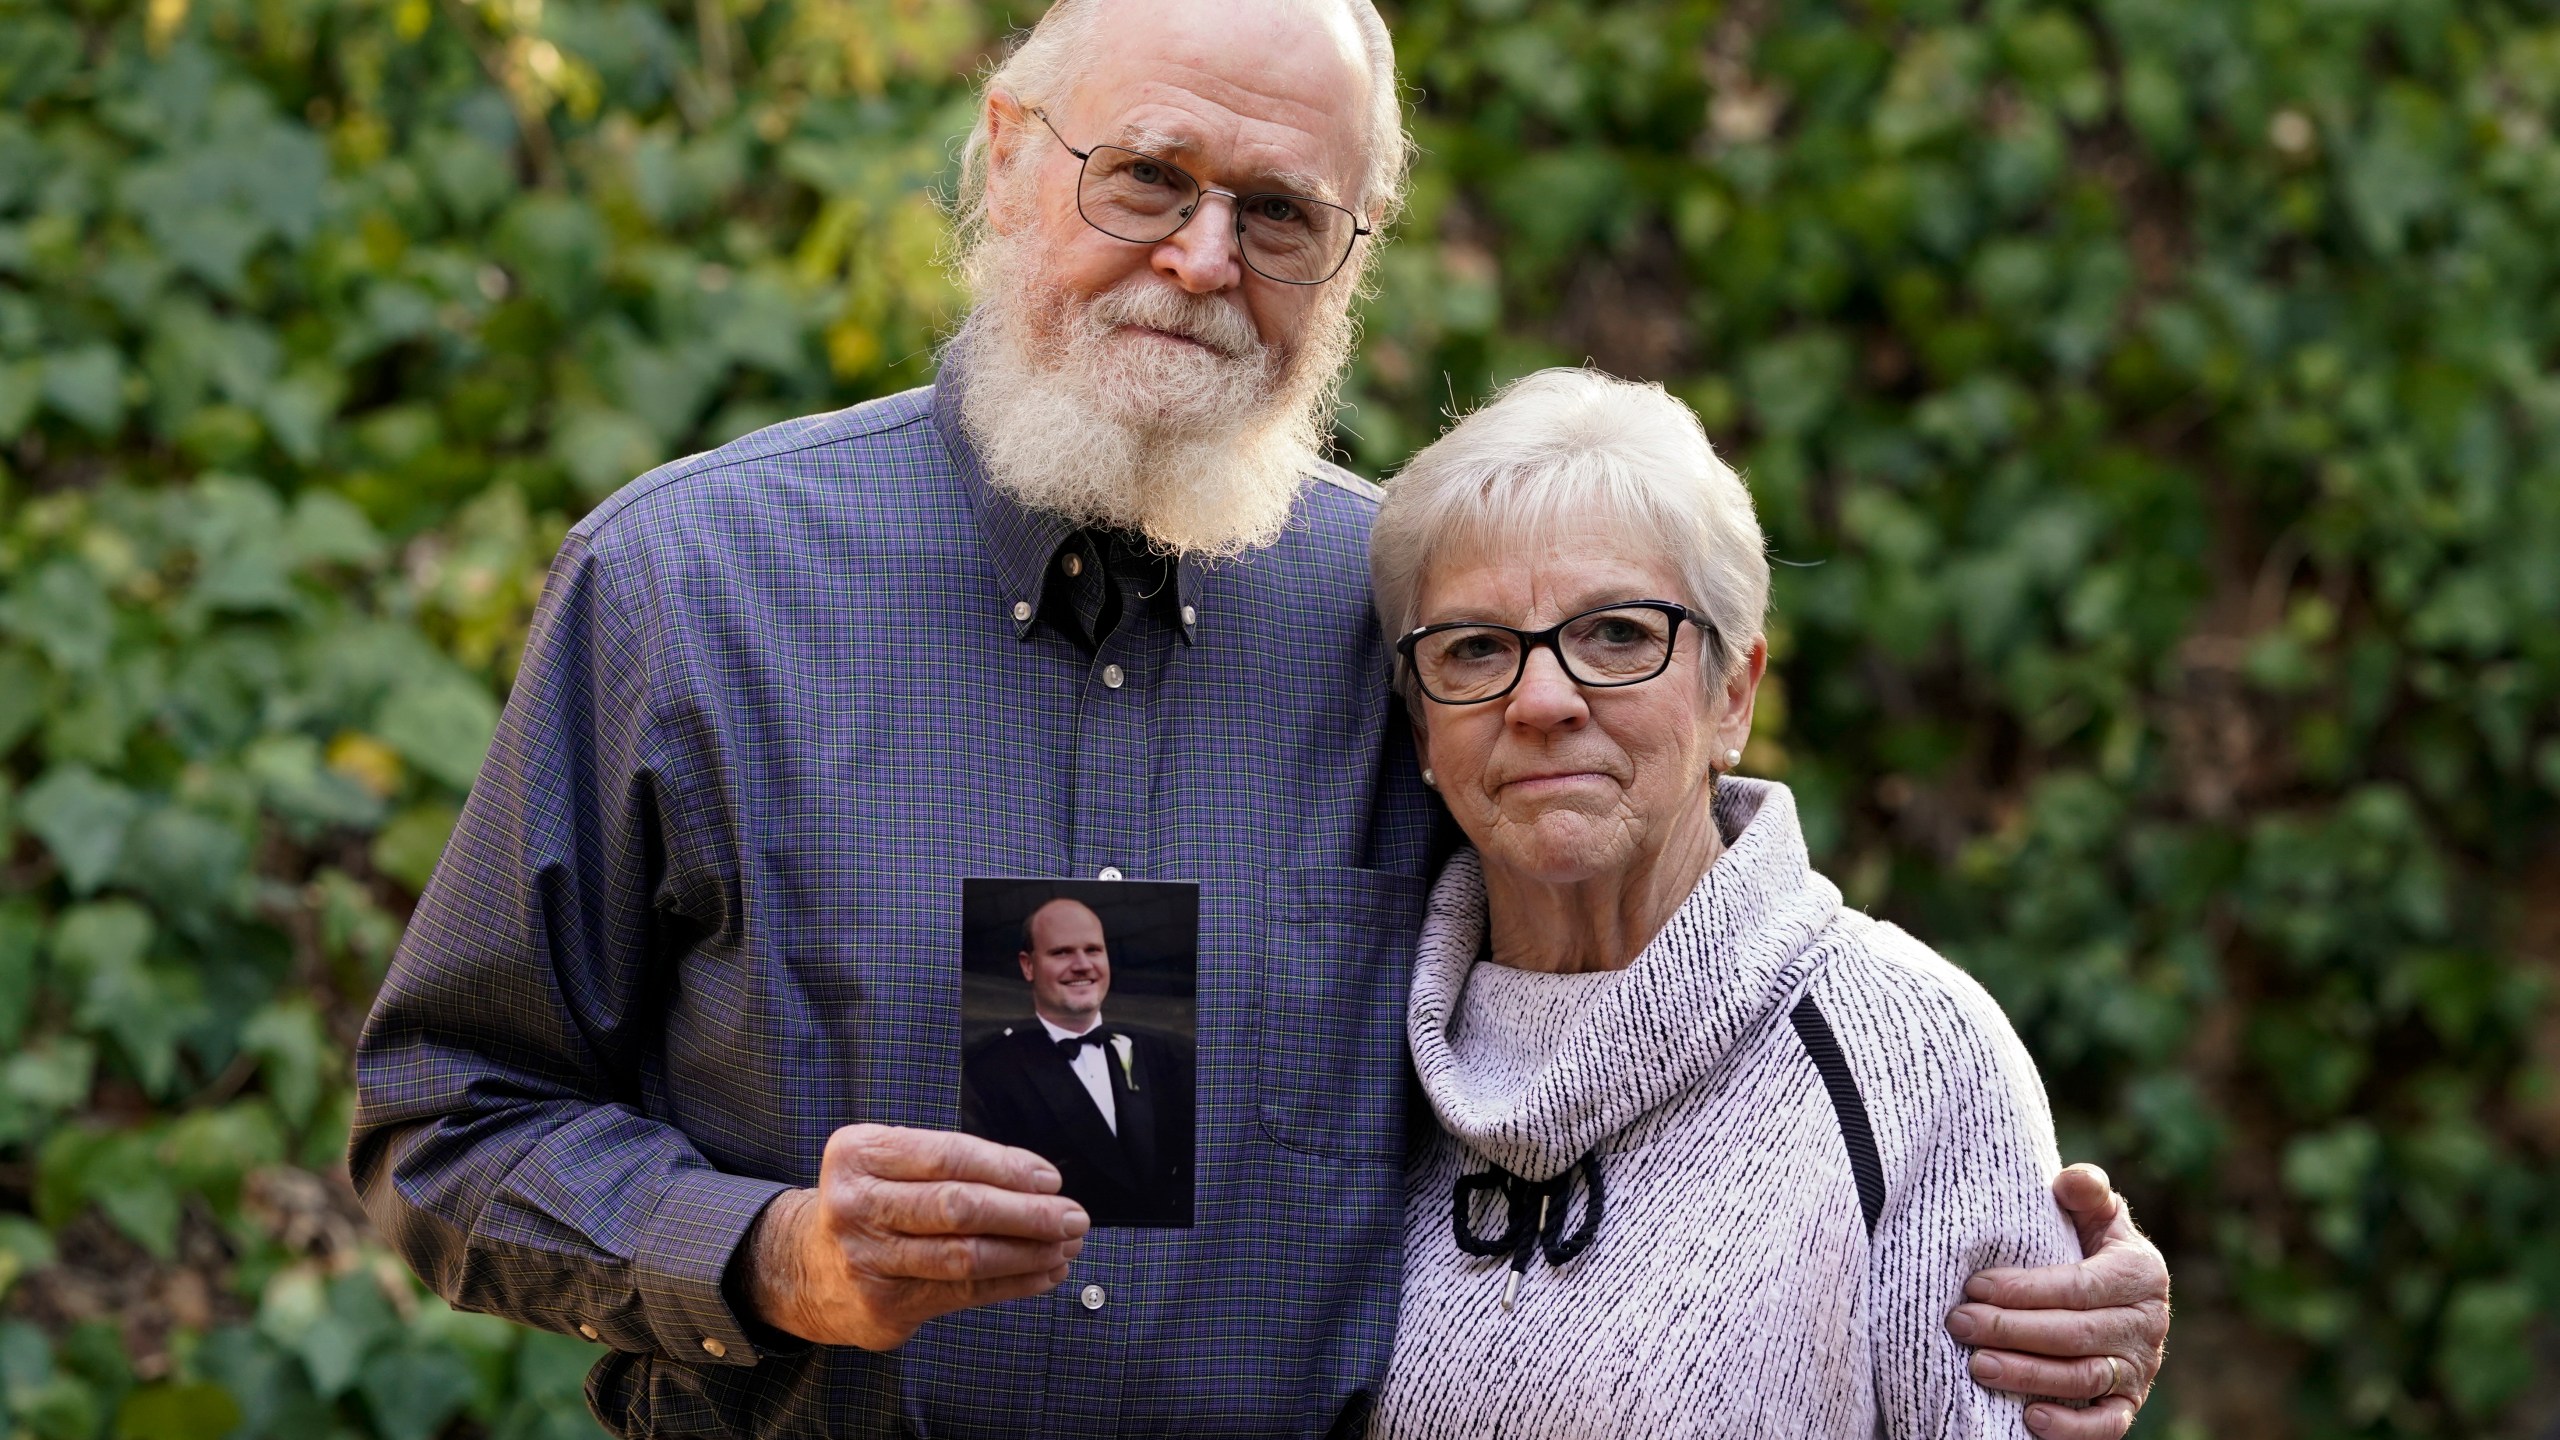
(1717, 1153)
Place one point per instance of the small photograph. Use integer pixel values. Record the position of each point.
(1078, 1021)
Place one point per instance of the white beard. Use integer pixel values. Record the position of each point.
(1202, 449)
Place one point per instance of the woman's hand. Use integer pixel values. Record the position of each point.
(2097, 1330)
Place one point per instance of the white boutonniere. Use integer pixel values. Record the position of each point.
(1126, 1049)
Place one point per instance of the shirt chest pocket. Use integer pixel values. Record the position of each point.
(1337, 955)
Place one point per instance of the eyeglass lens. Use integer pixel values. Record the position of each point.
(1606, 647)
(1135, 197)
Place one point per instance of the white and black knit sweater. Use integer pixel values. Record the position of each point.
(1731, 1288)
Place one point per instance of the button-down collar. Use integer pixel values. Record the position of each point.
(1024, 541)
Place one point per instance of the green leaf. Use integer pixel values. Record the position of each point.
(119, 1172)
(352, 924)
(39, 1083)
(64, 1407)
(328, 529)
(22, 698)
(250, 179)
(297, 783)
(472, 178)
(240, 544)
(298, 410)
(442, 723)
(324, 1144)
(24, 1249)
(331, 1325)
(39, 54)
(2486, 1357)
(21, 942)
(177, 1412)
(1793, 383)
(287, 1038)
(26, 1357)
(412, 1391)
(21, 390)
(2156, 107)
(100, 951)
(409, 847)
(1932, 90)
(556, 246)
(266, 1383)
(83, 820)
(209, 1152)
(62, 610)
(190, 864)
(602, 449)
(86, 385)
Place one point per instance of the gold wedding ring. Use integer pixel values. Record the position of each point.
(2115, 1377)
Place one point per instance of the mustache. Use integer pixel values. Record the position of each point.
(1158, 306)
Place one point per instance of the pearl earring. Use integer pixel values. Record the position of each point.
(1732, 758)
(1429, 779)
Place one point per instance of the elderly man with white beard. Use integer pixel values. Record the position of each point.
(670, 1056)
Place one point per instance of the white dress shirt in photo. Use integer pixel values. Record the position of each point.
(1092, 1067)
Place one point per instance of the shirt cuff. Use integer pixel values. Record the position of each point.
(696, 1228)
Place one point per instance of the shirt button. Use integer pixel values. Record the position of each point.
(590, 1332)
(1021, 609)
(1073, 564)
(1190, 614)
(1108, 872)
(718, 1350)
(1113, 677)
(1093, 1297)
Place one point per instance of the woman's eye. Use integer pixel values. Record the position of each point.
(1617, 632)
(1475, 648)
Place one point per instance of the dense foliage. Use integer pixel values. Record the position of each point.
(2154, 405)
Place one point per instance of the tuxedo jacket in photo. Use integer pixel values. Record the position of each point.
(1016, 1088)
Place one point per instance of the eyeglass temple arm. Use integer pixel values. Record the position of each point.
(1061, 139)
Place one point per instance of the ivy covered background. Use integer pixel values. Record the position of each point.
(2155, 405)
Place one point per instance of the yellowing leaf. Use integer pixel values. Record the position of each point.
(368, 762)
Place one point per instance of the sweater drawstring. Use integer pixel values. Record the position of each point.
(1537, 1217)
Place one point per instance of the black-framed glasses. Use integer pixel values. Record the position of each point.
(1468, 662)
(1133, 196)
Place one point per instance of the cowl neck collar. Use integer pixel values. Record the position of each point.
(1736, 951)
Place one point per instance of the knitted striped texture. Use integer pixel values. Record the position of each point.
(1733, 1289)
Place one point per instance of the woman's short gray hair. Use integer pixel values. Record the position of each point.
(1567, 448)
(1048, 60)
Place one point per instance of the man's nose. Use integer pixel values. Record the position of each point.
(1203, 256)
(1546, 698)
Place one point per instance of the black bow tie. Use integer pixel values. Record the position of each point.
(1074, 1045)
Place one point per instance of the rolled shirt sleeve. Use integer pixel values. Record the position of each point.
(500, 1143)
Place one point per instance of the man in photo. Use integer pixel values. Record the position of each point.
(1110, 1106)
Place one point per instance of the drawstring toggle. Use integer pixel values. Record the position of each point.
(1537, 1213)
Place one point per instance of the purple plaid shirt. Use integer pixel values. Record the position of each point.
(704, 907)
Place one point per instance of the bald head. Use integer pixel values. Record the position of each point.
(1067, 963)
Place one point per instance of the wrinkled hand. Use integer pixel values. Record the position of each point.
(2051, 1331)
(903, 1226)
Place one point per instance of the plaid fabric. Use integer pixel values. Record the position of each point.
(704, 907)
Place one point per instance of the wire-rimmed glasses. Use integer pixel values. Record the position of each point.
(1133, 196)
(1468, 662)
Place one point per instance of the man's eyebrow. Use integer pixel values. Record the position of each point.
(1165, 145)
